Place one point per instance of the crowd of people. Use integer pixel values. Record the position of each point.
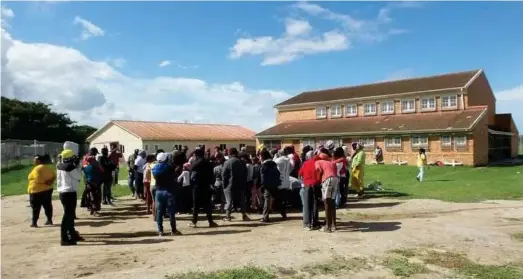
(170, 183)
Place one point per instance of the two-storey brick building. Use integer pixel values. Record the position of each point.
(453, 116)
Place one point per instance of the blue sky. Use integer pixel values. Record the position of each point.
(218, 56)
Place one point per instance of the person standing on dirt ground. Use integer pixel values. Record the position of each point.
(163, 173)
(147, 179)
(139, 164)
(329, 185)
(107, 176)
(249, 184)
(270, 181)
(310, 179)
(115, 157)
(284, 167)
(234, 177)
(341, 171)
(40, 189)
(130, 168)
(68, 172)
(201, 179)
(422, 162)
(357, 169)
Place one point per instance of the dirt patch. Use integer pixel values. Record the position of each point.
(122, 242)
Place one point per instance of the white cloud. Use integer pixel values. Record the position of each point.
(93, 92)
(88, 28)
(117, 62)
(164, 63)
(6, 14)
(400, 74)
(299, 39)
(512, 94)
(511, 101)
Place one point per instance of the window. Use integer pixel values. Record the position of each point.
(242, 145)
(223, 147)
(321, 112)
(446, 142)
(177, 147)
(122, 148)
(387, 107)
(146, 147)
(408, 105)
(449, 102)
(460, 141)
(368, 143)
(417, 142)
(271, 144)
(428, 104)
(335, 111)
(393, 142)
(156, 147)
(309, 142)
(351, 110)
(370, 109)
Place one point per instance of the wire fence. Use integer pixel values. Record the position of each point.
(18, 153)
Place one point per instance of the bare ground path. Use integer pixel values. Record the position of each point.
(122, 243)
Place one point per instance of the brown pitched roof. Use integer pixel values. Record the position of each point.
(183, 131)
(450, 121)
(452, 80)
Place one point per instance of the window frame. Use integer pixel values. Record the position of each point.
(394, 145)
(387, 102)
(307, 141)
(419, 145)
(242, 145)
(324, 116)
(428, 108)
(146, 147)
(355, 106)
(446, 146)
(366, 146)
(223, 146)
(408, 110)
(269, 144)
(459, 146)
(370, 113)
(122, 148)
(156, 147)
(448, 107)
(339, 115)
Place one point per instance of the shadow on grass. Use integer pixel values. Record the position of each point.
(368, 226)
(381, 194)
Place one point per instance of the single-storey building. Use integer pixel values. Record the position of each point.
(151, 136)
(452, 116)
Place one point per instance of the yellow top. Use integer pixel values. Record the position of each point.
(422, 160)
(40, 179)
(153, 181)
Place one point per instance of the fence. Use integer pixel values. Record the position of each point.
(21, 152)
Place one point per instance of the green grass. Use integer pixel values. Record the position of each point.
(402, 267)
(236, 273)
(518, 236)
(456, 184)
(14, 182)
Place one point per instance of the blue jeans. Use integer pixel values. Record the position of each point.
(165, 201)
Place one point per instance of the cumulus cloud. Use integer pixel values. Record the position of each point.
(164, 63)
(89, 29)
(511, 94)
(6, 14)
(299, 38)
(92, 92)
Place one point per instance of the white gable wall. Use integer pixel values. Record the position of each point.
(113, 133)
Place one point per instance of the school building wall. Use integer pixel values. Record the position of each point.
(113, 133)
(168, 145)
(479, 93)
(480, 143)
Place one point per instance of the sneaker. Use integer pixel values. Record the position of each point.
(34, 226)
(307, 228)
(213, 225)
(264, 220)
(161, 234)
(192, 225)
(227, 219)
(176, 232)
(105, 203)
(325, 229)
(48, 223)
(67, 243)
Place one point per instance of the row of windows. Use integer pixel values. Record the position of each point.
(179, 147)
(387, 107)
(447, 142)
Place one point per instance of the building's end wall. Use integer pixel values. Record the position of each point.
(113, 133)
(480, 142)
(479, 93)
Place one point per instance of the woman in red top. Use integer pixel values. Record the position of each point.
(329, 187)
(310, 180)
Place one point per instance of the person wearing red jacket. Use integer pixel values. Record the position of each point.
(310, 181)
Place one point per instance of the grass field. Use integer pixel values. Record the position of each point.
(459, 184)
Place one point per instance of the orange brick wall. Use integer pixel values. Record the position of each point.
(480, 144)
(303, 114)
(479, 93)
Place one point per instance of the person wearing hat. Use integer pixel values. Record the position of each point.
(163, 173)
(130, 168)
(68, 172)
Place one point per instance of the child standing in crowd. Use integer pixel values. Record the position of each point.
(147, 178)
(329, 185)
(40, 191)
(422, 162)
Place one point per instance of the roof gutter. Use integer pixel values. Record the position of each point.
(290, 106)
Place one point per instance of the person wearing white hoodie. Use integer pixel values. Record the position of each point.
(68, 173)
(284, 166)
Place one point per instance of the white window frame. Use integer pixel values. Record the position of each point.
(391, 103)
(339, 110)
(365, 109)
(145, 147)
(352, 107)
(242, 145)
(370, 145)
(156, 147)
(321, 115)
(446, 144)
(122, 148)
(449, 107)
(310, 142)
(393, 142)
(428, 102)
(413, 109)
(223, 146)
(458, 144)
(419, 143)
(269, 144)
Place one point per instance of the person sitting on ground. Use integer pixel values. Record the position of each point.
(40, 189)
(164, 175)
(329, 185)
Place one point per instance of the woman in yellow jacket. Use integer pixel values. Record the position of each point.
(40, 189)
(357, 169)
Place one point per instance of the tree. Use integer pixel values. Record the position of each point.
(35, 120)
